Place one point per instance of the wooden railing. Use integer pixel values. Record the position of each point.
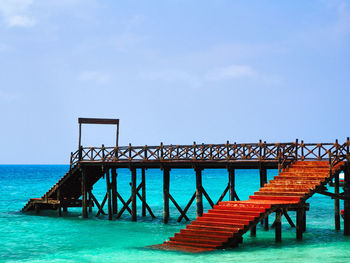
(261, 151)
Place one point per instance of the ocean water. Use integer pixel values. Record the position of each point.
(49, 238)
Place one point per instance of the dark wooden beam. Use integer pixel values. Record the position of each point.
(97, 121)
(114, 191)
(347, 198)
(187, 207)
(253, 231)
(133, 194)
(199, 195)
(143, 181)
(231, 176)
(109, 196)
(336, 203)
(300, 223)
(166, 182)
(278, 226)
(84, 192)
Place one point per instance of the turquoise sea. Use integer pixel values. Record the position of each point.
(49, 238)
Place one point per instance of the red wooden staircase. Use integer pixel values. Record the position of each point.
(224, 225)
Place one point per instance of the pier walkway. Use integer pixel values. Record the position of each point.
(304, 169)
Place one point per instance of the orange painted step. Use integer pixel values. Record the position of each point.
(223, 220)
(279, 194)
(241, 205)
(280, 198)
(282, 190)
(189, 244)
(217, 223)
(276, 185)
(213, 228)
(205, 233)
(229, 216)
(255, 213)
(294, 181)
(196, 240)
(183, 248)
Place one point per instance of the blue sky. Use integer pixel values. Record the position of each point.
(172, 71)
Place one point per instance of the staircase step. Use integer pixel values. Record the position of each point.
(189, 244)
(196, 240)
(205, 233)
(217, 223)
(213, 228)
(229, 216)
(224, 220)
(255, 213)
(265, 193)
(280, 198)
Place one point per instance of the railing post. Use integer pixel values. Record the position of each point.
(80, 153)
(103, 152)
(260, 150)
(194, 151)
(296, 150)
(71, 161)
(228, 150)
(129, 148)
(302, 150)
(161, 151)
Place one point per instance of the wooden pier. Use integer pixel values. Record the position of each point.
(304, 169)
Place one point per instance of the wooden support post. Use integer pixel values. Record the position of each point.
(166, 180)
(114, 191)
(231, 178)
(304, 220)
(278, 226)
(253, 231)
(143, 193)
(199, 194)
(59, 205)
(347, 199)
(65, 209)
(133, 194)
(84, 192)
(109, 196)
(263, 181)
(336, 203)
(37, 209)
(90, 202)
(300, 224)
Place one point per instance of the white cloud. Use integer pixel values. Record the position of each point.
(97, 77)
(231, 72)
(20, 21)
(14, 13)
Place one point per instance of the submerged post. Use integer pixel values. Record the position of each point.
(143, 193)
(300, 223)
(263, 181)
(199, 194)
(114, 191)
(133, 194)
(347, 199)
(336, 203)
(109, 199)
(278, 226)
(231, 175)
(166, 179)
(84, 192)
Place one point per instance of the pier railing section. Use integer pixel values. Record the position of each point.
(261, 151)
